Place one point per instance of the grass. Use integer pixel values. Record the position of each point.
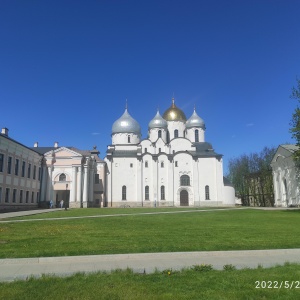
(195, 231)
(89, 212)
(186, 284)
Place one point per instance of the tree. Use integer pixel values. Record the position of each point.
(252, 178)
(295, 123)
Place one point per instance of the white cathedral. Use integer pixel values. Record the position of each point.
(174, 166)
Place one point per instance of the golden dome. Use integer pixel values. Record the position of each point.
(174, 113)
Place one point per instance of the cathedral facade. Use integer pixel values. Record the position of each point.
(174, 166)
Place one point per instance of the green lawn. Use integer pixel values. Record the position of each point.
(187, 284)
(88, 212)
(194, 231)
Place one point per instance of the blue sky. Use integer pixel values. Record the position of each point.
(67, 68)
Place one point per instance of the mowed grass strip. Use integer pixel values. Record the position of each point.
(186, 284)
(195, 231)
(89, 212)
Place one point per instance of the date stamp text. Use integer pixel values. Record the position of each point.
(274, 284)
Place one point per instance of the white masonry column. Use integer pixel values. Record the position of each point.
(140, 188)
(85, 184)
(154, 183)
(73, 187)
(44, 184)
(49, 185)
(79, 185)
(91, 185)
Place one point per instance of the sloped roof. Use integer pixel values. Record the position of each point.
(9, 138)
(43, 150)
(205, 149)
(290, 147)
(226, 182)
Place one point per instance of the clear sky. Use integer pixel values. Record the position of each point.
(67, 68)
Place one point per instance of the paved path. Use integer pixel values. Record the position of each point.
(26, 213)
(22, 268)
(11, 269)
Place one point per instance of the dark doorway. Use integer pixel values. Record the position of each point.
(184, 198)
(63, 195)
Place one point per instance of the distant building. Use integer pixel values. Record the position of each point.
(31, 177)
(173, 166)
(20, 174)
(75, 176)
(286, 184)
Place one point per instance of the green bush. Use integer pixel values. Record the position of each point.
(202, 268)
(229, 267)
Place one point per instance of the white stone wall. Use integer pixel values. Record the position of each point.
(123, 172)
(286, 187)
(180, 144)
(23, 185)
(190, 134)
(153, 134)
(176, 125)
(125, 138)
(228, 196)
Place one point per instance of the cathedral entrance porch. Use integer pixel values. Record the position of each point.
(62, 195)
(184, 198)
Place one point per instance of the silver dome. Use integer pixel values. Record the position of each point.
(126, 124)
(195, 121)
(158, 122)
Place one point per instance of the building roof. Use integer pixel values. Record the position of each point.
(126, 124)
(204, 149)
(125, 153)
(43, 150)
(226, 182)
(158, 122)
(9, 138)
(290, 147)
(174, 113)
(195, 121)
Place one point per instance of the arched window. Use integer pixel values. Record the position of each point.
(206, 192)
(285, 186)
(162, 165)
(159, 133)
(162, 192)
(146, 192)
(196, 135)
(62, 177)
(146, 164)
(168, 137)
(128, 139)
(124, 192)
(184, 180)
(175, 133)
